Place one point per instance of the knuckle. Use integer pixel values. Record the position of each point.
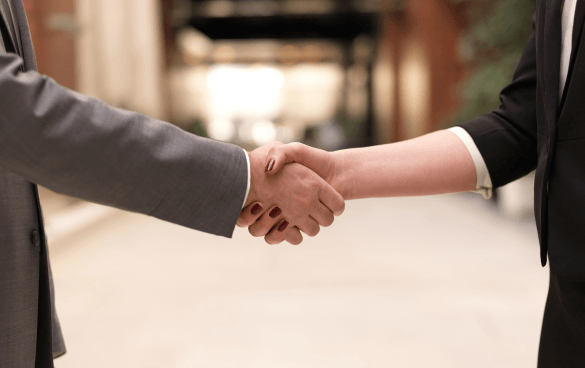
(295, 213)
(308, 202)
(269, 241)
(255, 232)
(302, 202)
(272, 240)
(341, 208)
(294, 236)
(329, 221)
(315, 186)
(294, 241)
(245, 218)
(314, 230)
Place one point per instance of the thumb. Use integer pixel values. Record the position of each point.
(278, 157)
(313, 158)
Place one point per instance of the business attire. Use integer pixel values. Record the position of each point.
(540, 125)
(77, 145)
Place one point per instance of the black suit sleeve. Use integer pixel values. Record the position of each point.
(506, 137)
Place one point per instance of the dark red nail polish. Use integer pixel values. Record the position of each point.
(270, 165)
(257, 207)
(283, 225)
(275, 212)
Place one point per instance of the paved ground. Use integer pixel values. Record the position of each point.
(413, 282)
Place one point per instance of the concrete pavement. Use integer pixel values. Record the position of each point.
(407, 282)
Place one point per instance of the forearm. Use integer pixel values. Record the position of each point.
(436, 163)
(78, 145)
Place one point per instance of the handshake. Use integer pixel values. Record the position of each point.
(293, 188)
(296, 188)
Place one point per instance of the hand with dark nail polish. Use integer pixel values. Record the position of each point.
(256, 209)
(283, 225)
(286, 202)
(275, 212)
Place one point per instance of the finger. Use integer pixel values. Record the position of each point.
(315, 159)
(263, 225)
(293, 236)
(333, 200)
(277, 233)
(322, 215)
(277, 157)
(250, 214)
(309, 226)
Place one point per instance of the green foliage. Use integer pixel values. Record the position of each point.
(197, 128)
(492, 46)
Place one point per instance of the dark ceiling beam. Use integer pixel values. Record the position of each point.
(338, 26)
(267, 8)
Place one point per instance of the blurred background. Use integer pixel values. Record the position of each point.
(446, 281)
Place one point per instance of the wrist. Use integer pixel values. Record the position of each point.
(254, 178)
(339, 179)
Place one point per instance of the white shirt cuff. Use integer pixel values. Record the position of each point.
(248, 188)
(484, 182)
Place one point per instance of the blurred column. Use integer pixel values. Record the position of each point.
(53, 30)
(120, 56)
(383, 79)
(420, 39)
(441, 23)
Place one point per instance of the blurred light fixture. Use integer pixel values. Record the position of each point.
(263, 132)
(257, 51)
(218, 8)
(243, 92)
(257, 8)
(224, 54)
(289, 55)
(221, 129)
(311, 54)
(312, 92)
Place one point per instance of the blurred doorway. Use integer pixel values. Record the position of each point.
(250, 72)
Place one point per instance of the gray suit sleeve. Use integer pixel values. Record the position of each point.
(79, 146)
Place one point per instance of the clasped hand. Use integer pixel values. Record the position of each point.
(291, 190)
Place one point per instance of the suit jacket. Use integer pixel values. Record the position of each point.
(79, 146)
(532, 130)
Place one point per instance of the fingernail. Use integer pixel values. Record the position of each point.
(257, 207)
(283, 225)
(275, 212)
(270, 165)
